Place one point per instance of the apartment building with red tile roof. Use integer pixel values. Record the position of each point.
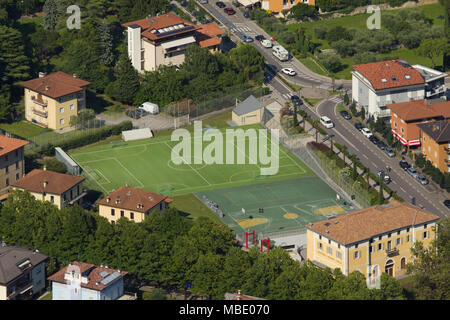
(85, 281)
(435, 143)
(132, 203)
(51, 100)
(406, 115)
(60, 189)
(372, 240)
(12, 164)
(162, 40)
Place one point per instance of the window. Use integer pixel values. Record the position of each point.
(160, 206)
(7, 169)
(61, 110)
(407, 229)
(357, 254)
(17, 176)
(425, 226)
(320, 246)
(17, 165)
(61, 121)
(398, 241)
(329, 250)
(320, 237)
(7, 182)
(6, 158)
(338, 255)
(122, 213)
(356, 246)
(389, 245)
(407, 238)
(72, 107)
(380, 246)
(132, 215)
(398, 233)
(17, 153)
(425, 235)
(329, 241)
(71, 195)
(52, 199)
(113, 213)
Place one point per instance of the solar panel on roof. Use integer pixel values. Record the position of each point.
(104, 274)
(110, 278)
(175, 31)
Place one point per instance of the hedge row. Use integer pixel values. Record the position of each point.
(76, 142)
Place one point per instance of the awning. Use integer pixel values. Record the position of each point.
(245, 3)
(255, 1)
(178, 42)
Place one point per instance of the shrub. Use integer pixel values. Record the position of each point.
(155, 294)
(53, 164)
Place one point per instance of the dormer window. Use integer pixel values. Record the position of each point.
(407, 76)
(383, 80)
(394, 78)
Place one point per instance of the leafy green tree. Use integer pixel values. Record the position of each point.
(331, 62)
(295, 119)
(155, 294)
(82, 118)
(248, 60)
(45, 43)
(338, 33)
(235, 264)
(52, 12)
(433, 49)
(140, 10)
(390, 288)
(106, 44)
(380, 193)
(205, 275)
(346, 98)
(363, 113)
(53, 164)
(127, 79)
(317, 282)
(9, 12)
(352, 287)
(353, 109)
(301, 11)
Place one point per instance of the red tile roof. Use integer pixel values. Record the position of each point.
(133, 199)
(56, 85)
(209, 35)
(91, 271)
(376, 71)
(57, 183)
(366, 223)
(420, 109)
(10, 144)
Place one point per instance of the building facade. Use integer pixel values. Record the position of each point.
(247, 112)
(63, 190)
(84, 281)
(12, 164)
(51, 100)
(22, 272)
(372, 240)
(283, 5)
(435, 140)
(132, 203)
(406, 115)
(163, 40)
(434, 81)
(377, 84)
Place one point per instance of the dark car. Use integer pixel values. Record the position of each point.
(296, 100)
(259, 37)
(374, 139)
(220, 4)
(447, 203)
(345, 115)
(184, 4)
(229, 11)
(358, 126)
(381, 145)
(404, 164)
(246, 14)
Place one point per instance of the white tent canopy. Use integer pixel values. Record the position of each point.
(137, 134)
(178, 42)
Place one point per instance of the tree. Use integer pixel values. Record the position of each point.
(45, 43)
(301, 11)
(155, 294)
(433, 49)
(52, 10)
(353, 109)
(106, 44)
(380, 193)
(346, 98)
(331, 62)
(338, 33)
(352, 287)
(127, 79)
(295, 119)
(82, 119)
(354, 168)
(247, 59)
(363, 113)
(53, 164)
(205, 275)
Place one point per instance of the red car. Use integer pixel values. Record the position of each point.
(229, 11)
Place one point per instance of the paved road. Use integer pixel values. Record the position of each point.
(375, 159)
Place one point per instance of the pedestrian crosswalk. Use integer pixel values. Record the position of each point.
(241, 28)
(336, 99)
(287, 96)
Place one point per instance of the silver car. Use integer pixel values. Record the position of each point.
(422, 180)
(413, 172)
(389, 152)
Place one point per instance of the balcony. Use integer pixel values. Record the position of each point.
(38, 101)
(40, 124)
(20, 288)
(447, 149)
(392, 252)
(384, 113)
(43, 114)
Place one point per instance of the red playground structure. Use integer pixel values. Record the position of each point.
(268, 244)
(246, 238)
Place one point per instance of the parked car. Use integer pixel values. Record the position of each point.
(220, 4)
(374, 139)
(328, 137)
(412, 172)
(383, 175)
(366, 132)
(404, 164)
(358, 126)
(149, 107)
(246, 14)
(447, 203)
(326, 122)
(184, 4)
(381, 145)
(266, 43)
(289, 71)
(295, 99)
(345, 115)
(422, 180)
(389, 152)
(248, 39)
(259, 37)
(229, 11)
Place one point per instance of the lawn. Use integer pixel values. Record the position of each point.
(148, 164)
(23, 129)
(358, 22)
(312, 101)
(193, 208)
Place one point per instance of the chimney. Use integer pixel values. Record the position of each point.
(327, 232)
(45, 183)
(96, 283)
(74, 75)
(42, 74)
(45, 167)
(108, 200)
(47, 88)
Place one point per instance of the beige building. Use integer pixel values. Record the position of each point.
(249, 111)
(51, 100)
(281, 5)
(163, 40)
(12, 164)
(132, 203)
(372, 240)
(61, 189)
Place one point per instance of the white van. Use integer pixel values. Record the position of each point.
(149, 107)
(266, 43)
(326, 122)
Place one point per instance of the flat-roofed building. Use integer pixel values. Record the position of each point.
(372, 240)
(132, 203)
(61, 189)
(162, 40)
(434, 81)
